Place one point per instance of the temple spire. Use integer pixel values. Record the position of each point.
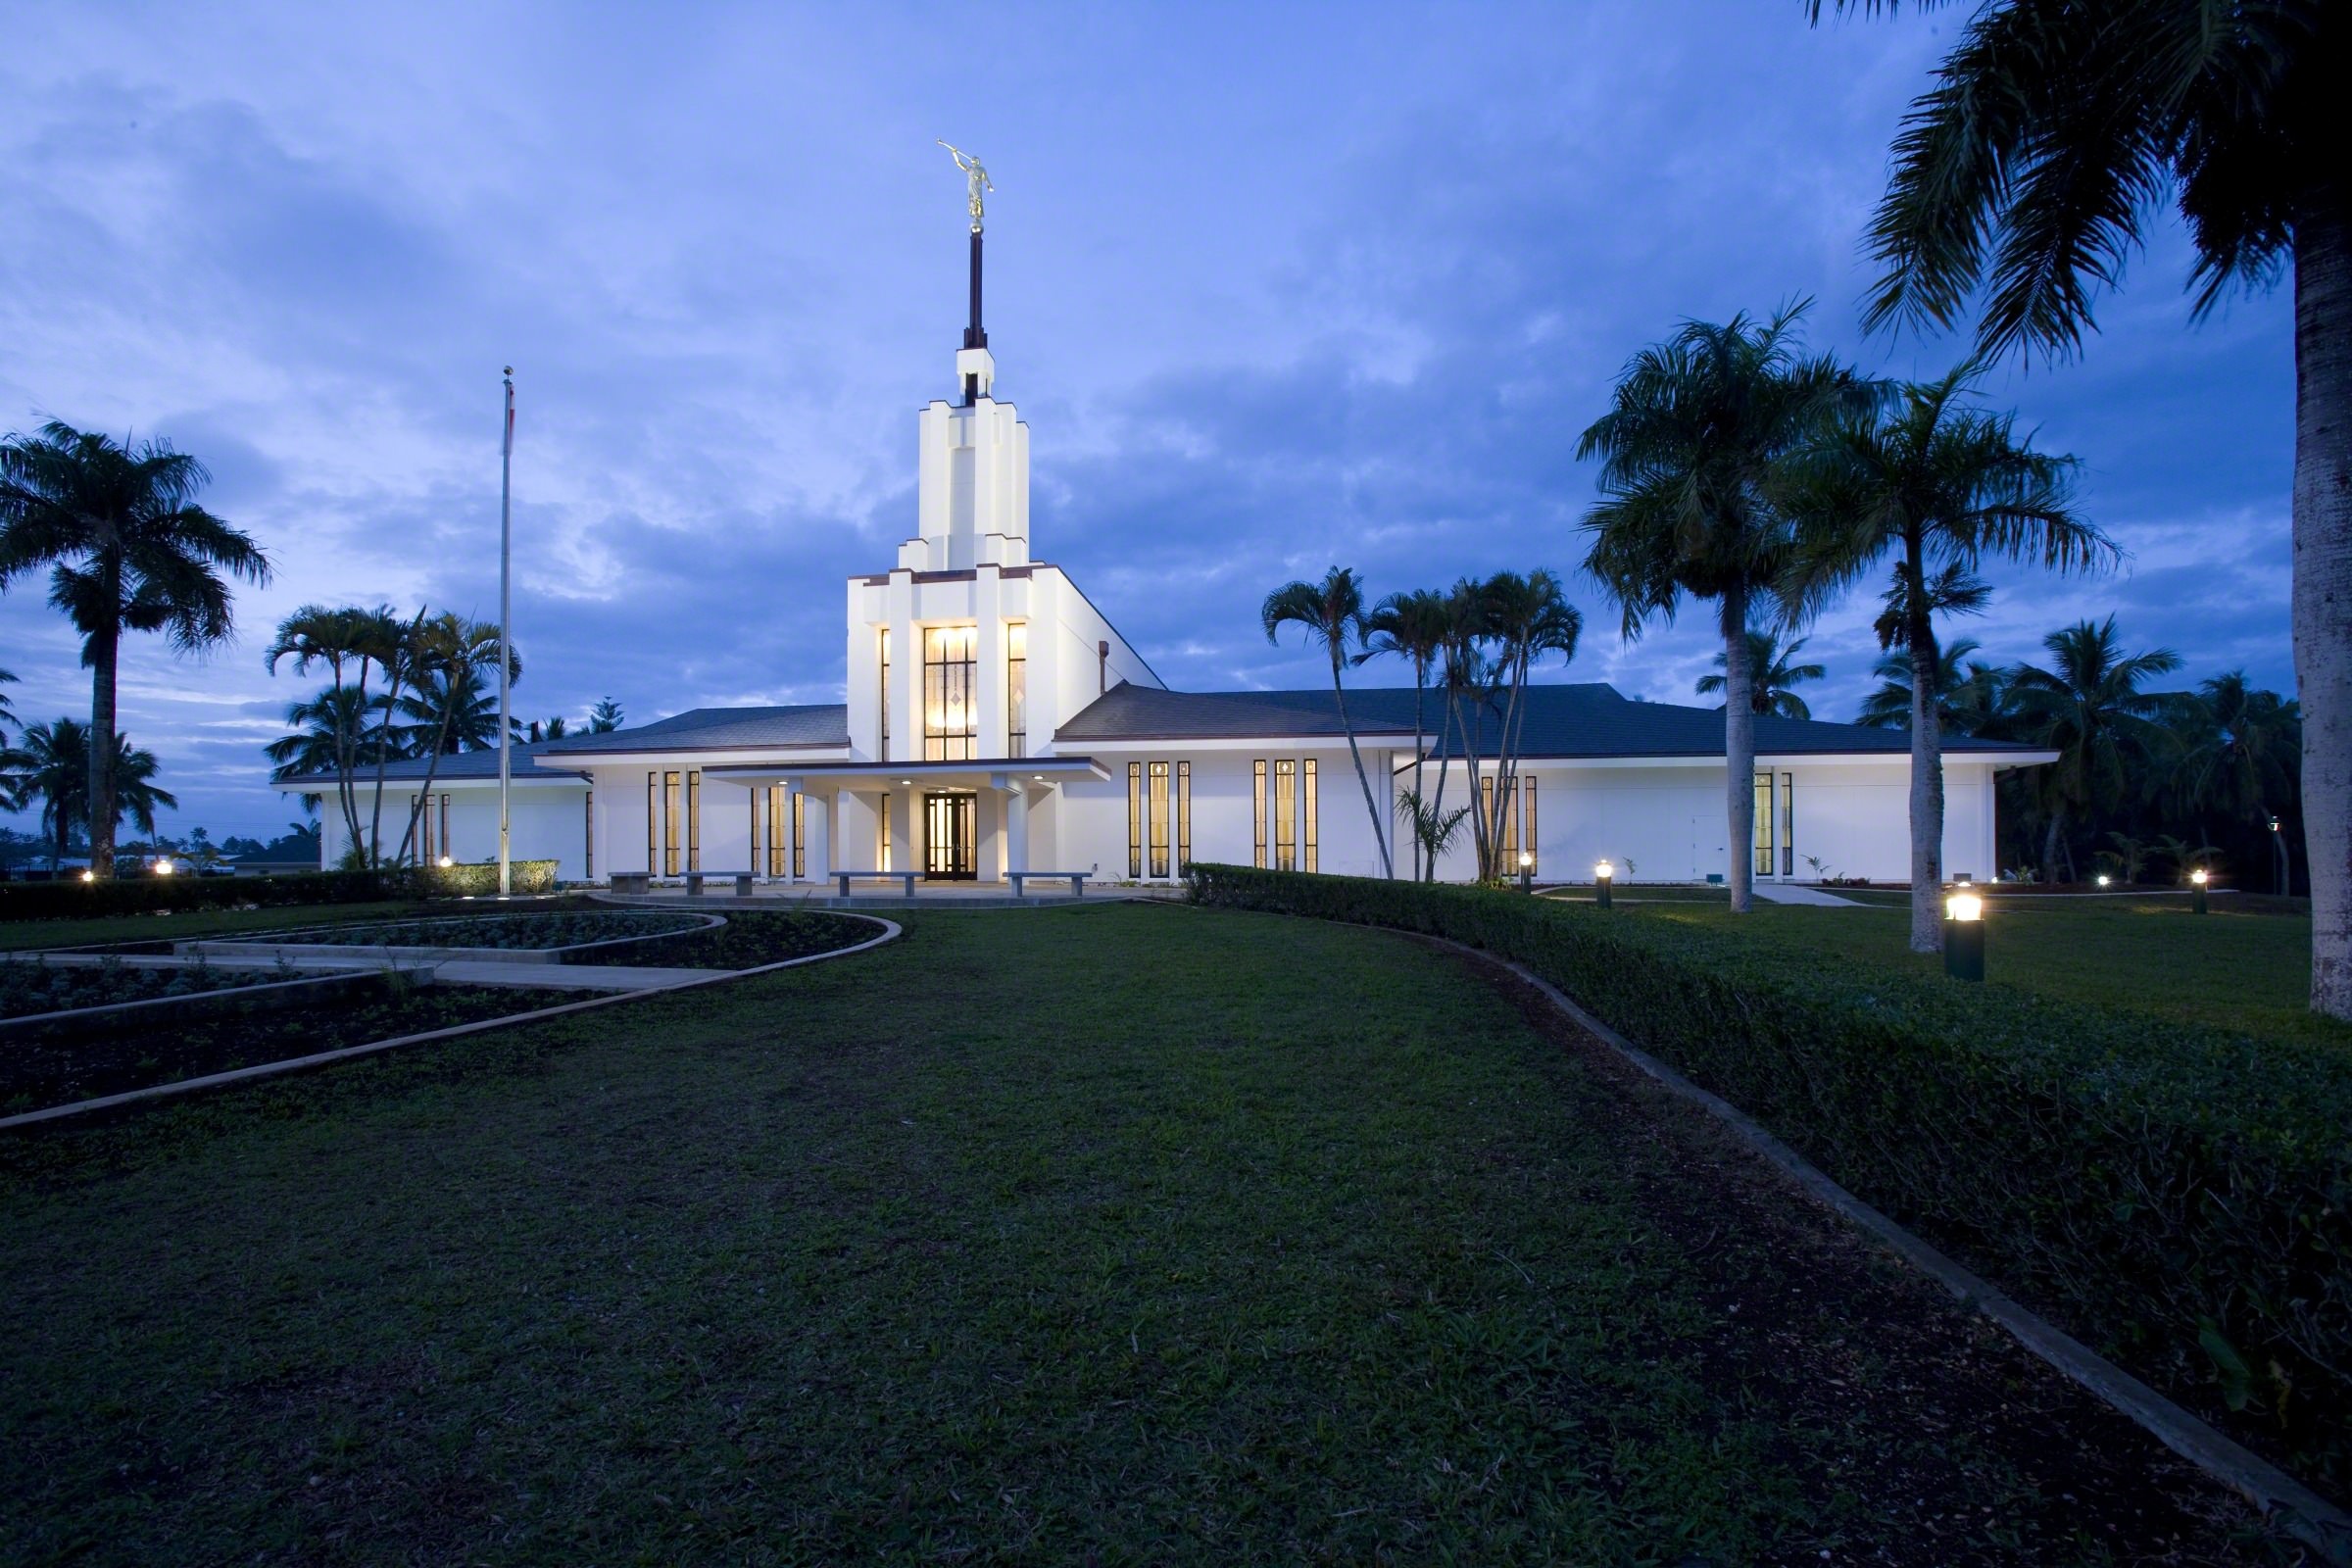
(974, 364)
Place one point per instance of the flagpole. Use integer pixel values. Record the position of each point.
(506, 641)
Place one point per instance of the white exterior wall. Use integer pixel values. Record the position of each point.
(547, 821)
(1092, 826)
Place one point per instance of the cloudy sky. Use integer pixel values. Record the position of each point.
(1274, 287)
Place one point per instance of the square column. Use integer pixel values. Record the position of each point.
(816, 823)
(1016, 830)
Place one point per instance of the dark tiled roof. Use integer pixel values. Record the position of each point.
(1591, 720)
(453, 766)
(811, 724)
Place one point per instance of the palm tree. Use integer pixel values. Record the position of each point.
(1525, 617)
(129, 550)
(2035, 166)
(1941, 485)
(1776, 679)
(1696, 450)
(449, 706)
(1413, 626)
(338, 638)
(2090, 710)
(319, 729)
(1332, 613)
(8, 715)
(604, 718)
(1959, 681)
(58, 775)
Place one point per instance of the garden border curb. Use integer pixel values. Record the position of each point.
(891, 932)
(2281, 1499)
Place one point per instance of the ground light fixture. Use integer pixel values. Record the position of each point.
(1603, 875)
(2196, 889)
(90, 876)
(1527, 871)
(165, 867)
(1963, 935)
(2104, 879)
(446, 862)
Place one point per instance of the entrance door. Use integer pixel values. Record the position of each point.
(951, 834)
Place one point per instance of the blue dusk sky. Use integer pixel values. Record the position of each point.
(1274, 287)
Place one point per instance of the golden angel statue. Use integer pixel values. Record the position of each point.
(975, 178)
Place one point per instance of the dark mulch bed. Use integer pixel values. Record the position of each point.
(28, 988)
(749, 939)
(39, 1072)
(1819, 1322)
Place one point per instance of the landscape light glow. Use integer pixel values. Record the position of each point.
(1604, 871)
(2103, 879)
(90, 876)
(1963, 906)
(165, 867)
(447, 862)
(2197, 876)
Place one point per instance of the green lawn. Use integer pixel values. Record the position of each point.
(1120, 1234)
(2247, 971)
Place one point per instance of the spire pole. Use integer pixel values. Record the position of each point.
(975, 336)
(505, 643)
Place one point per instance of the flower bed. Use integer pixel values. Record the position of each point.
(749, 939)
(28, 987)
(512, 933)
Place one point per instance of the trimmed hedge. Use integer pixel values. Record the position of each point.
(2179, 1196)
(142, 894)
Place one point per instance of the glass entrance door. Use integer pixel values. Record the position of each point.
(951, 836)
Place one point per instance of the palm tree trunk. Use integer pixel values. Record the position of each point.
(103, 649)
(1380, 840)
(1437, 808)
(2049, 842)
(1739, 749)
(1478, 812)
(2323, 589)
(1927, 764)
(1420, 681)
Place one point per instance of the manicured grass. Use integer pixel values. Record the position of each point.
(2244, 972)
(1110, 1234)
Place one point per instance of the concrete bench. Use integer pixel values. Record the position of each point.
(742, 879)
(1076, 879)
(633, 884)
(843, 877)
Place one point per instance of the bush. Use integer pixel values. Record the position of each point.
(143, 895)
(2180, 1196)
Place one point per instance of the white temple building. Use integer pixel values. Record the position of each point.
(995, 720)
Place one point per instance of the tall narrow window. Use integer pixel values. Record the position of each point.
(588, 825)
(1184, 816)
(1017, 689)
(951, 710)
(1788, 824)
(1526, 788)
(885, 856)
(445, 825)
(1135, 819)
(671, 811)
(1307, 807)
(1286, 817)
(1157, 824)
(422, 807)
(885, 748)
(694, 820)
(652, 824)
(1257, 834)
(1763, 830)
(779, 799)
(800, 834)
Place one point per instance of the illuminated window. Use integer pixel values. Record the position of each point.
(950, 706)
(653, 824)
(444, 824)
(1286, 820)
(885, 857)
(422, 806)
(670, 812)
(1257, 771)
(1184, 816)
(885, 747)
(694, 820)
(1308, 806)
(1017, 689)
(1135, 819)
(1763, 826)
(779, 801)
(1534, 849)
(1788, 824)
(800, 834)
(1157, 819)
(1506, 825)
(588, 823)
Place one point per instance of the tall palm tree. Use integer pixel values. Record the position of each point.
(1939, 484)
(8, 715)
(1413, 626)
(1696, 452)
(2088, 707)
(2035, 166)
(1331, 614)
(1526, 617)
(1968, 692)
(319, 726)
(448, 707)
(1775, 678)
(338, 638)
(129, 550)
(58, 775)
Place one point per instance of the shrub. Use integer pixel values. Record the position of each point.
(2180, 1196)
(75, 901)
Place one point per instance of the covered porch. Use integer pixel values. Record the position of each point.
(966, 825)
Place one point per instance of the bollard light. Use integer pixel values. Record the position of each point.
(165, 867)
(447, 862)
(2104, 879)
(2196, 891)
(1603, 876)
(90, 876)
(1527, 870)
(1963, 935)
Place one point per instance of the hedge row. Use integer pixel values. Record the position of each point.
(2179, 1196)
(142, 894)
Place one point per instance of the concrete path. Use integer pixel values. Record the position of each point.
(1798, 892)
(565, 976)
